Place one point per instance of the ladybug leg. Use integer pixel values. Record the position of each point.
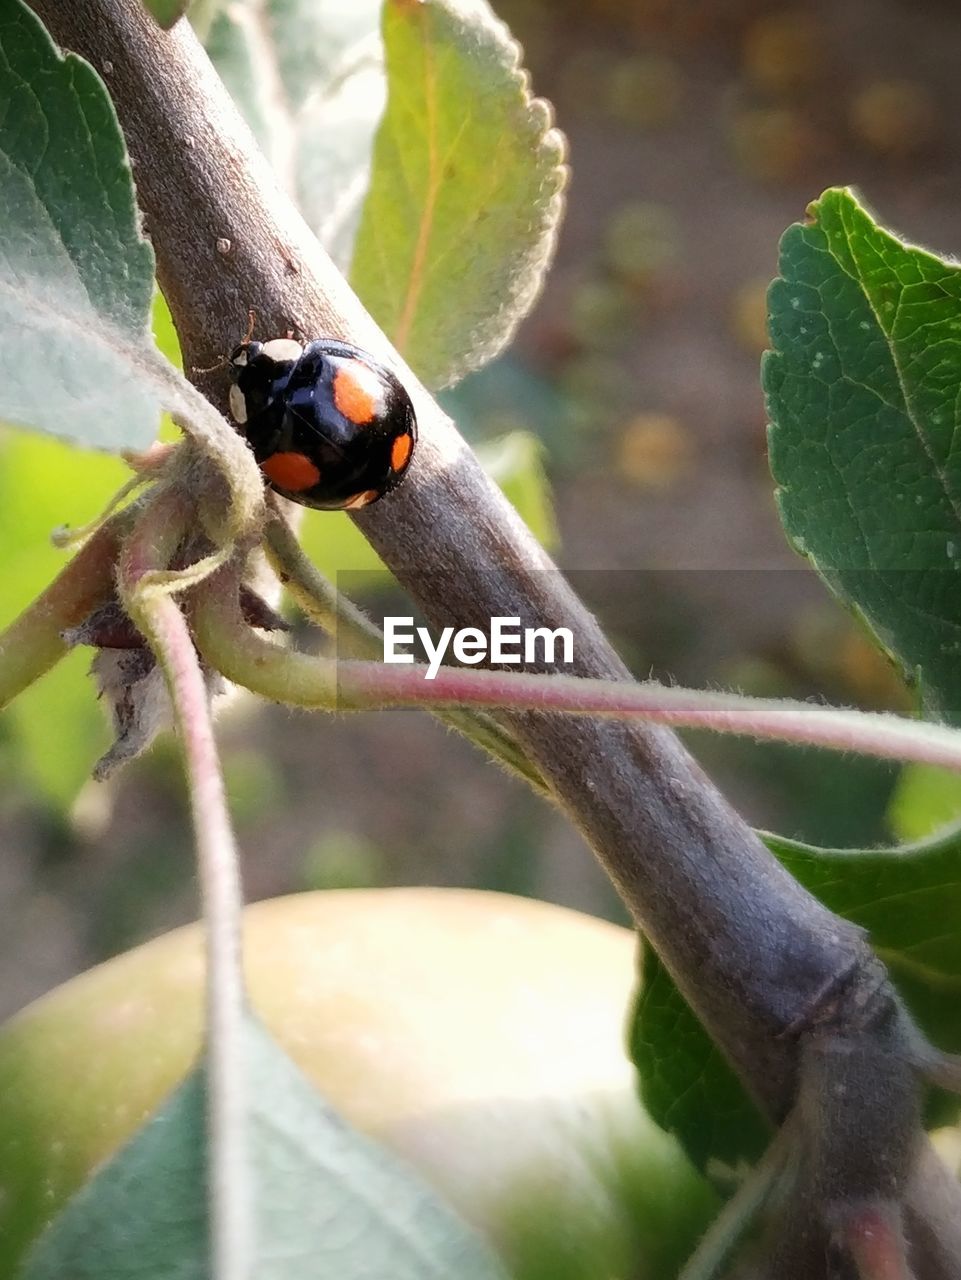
(225, 360)
(211, 368)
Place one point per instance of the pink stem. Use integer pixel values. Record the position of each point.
(161, 620)
(872, 1236)
(870, 733)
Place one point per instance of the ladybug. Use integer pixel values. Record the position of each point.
(330, 427)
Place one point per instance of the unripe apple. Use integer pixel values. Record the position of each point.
(480, 1036)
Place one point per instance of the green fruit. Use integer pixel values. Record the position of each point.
(478, 1035)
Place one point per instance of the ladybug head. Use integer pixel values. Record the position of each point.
(242, 355)
(259, 371)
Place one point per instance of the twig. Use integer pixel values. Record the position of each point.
(719, 1241)
(146, 554)
(305, 680)
(357, 637)
(33, 642)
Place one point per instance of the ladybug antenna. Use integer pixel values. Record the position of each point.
(225, 360)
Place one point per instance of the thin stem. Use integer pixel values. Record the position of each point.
(720, 1239)
(303, 680)
(874, 1239)
(355, 634)
(942, 1069)
(70, 539)
(33, 642)
(888, 737)
(159, 617)
(357, 637)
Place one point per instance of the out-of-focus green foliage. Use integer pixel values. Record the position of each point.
(167, 12)
(924, 800)
(465, 195)
(308, 76)
(75, 273)
(861, 392)
(57, 728)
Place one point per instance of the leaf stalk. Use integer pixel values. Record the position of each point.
(146, 556)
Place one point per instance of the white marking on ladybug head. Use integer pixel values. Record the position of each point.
(238, 404)
(240, 357)
(282, 350)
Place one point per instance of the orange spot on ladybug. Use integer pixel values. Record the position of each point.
(292, 471)
(357, 392)
(400, 452)
(362, 499)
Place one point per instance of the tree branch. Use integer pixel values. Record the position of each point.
(756, 955)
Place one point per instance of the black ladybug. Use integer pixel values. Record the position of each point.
(330, 427)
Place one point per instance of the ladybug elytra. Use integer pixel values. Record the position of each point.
(329, 426)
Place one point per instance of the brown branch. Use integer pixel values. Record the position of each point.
(758, 957)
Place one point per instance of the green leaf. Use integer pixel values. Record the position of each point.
(202, 16)
(909, 901)
(924, 800)
(862, 397)
(58, 729)
(75, 274)
(685, 1083)
(337, 138)
(309, 79)
(233, 51)
(167, 12)
(327, 1202)
(466, 191)
(164, 333)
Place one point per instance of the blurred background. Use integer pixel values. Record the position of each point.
(627, 424)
